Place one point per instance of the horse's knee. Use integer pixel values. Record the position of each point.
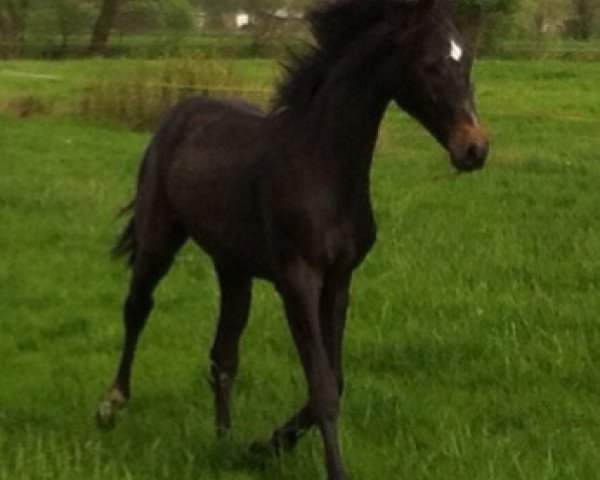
(137, 308)
(324, 406)
(224, 358)
(220, 377)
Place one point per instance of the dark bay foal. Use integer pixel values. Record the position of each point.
(284, 195)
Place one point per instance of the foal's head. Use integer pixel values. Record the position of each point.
(430, 69)
(412, 53)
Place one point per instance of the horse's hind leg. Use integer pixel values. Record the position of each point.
(150, 264)
(236, 289)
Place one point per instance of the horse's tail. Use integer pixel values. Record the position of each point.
(127, 244)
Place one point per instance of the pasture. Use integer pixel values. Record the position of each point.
(473, 340)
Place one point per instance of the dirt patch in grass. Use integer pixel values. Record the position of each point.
(22, 106)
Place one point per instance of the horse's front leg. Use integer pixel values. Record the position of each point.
(301, 288)
(333, 307)
(235, 298)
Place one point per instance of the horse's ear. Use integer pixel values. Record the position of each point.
(425, 6)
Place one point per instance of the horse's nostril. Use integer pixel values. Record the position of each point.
(478, 151)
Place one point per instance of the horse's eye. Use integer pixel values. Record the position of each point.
(432, 68)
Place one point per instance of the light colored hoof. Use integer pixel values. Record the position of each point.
(109, 409)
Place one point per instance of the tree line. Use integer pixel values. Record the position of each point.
(91, 21)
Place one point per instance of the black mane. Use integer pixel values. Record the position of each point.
(335, 27)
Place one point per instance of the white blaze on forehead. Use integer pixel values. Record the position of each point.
(456, 51)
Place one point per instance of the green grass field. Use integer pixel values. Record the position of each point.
(473, 340)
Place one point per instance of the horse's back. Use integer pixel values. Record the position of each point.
(207, 156)
(197, 117)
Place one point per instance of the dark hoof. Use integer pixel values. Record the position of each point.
(264, 449)
(109, 409)
(222, 433)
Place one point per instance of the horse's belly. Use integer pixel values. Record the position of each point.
(221, 213)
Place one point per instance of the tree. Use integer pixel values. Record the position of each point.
(215, 9)
(177, 14)
(260, 10)
(13, 21)
(584, 14)
(103, 26)
(540, 18)
(50, 19)
(139, 16)
(547, 18)
(474, 15)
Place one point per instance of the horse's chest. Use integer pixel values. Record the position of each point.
(324, 238)
(360, 234)
(343, 247)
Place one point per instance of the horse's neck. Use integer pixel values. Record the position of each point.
(345, 126)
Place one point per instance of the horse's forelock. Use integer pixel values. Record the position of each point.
(336, 23)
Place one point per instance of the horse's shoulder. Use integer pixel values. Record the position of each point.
(203, 104)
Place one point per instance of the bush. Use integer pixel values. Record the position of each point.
(139, 97)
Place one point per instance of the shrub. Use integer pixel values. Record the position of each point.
(141, 95)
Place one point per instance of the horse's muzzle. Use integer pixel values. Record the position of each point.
(468, 147)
